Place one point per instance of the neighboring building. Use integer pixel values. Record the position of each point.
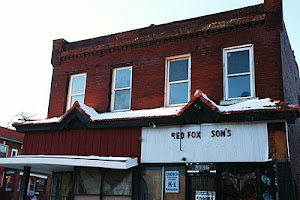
(205, 107)
(11, 145)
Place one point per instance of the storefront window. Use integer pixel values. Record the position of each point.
(117, 183)
(88, 181)
(93, 183)
(62, 185)
(166, 183)
(151, 183)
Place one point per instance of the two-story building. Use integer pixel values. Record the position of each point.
(206, 107)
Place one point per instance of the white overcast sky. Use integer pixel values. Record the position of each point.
(27, 29)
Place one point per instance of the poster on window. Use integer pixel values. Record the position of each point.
(172, 182)
(207, 195)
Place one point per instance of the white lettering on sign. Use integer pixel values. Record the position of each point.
(205, 143)
(202, 167)
(172, 182)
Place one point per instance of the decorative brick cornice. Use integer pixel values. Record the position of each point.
(182, 34)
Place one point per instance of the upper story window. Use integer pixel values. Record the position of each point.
(3, 150)
(14, 152)
(76, 89)
(239, 72)
(121, 89)
(178, 80)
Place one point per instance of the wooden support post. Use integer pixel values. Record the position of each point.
(24, 184)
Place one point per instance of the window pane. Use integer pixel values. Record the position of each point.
(78, 84)
(238, 62)
(123, 77)
(122, 99)
(150, 185)
(42, 183)
(62, 185)
(117, 183)
(79, 98)
(178, 93)
(239, 86)
(3, 150)
(178, 70)
(88, 181)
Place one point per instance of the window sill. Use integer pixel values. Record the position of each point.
(234, 101)
(175, 105)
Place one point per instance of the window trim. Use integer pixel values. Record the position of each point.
(13, 150)
(34, 185)
(70, 88)
(249, 47)
(167, 84)
(112, 105)
(7, 148)
(11, 174)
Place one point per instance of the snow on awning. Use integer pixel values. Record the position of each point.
(47, 164)
(247, 106)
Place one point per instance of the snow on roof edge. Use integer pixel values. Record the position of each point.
(247, 105)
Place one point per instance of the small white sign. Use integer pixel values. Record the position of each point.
(205, 195)
(172, 182)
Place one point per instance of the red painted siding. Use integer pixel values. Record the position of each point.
(100, 142)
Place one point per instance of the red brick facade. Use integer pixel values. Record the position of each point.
(98, 56)
(145, 50)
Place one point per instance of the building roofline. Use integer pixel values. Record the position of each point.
(200, 109)
(156, 34)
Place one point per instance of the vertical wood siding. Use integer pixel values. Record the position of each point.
(100, 142)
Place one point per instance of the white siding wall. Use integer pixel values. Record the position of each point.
(247, 142)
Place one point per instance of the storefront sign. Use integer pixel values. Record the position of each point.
(197, 134)
(172, 182)
(205, 143)
(205, 195)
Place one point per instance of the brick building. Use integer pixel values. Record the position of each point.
(204, 107)
(11, 145)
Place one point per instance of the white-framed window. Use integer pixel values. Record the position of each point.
(31, 186)
(239, 72)
(76, 90)
(121, 89)
(3, 150)
(9, 180)
(178, 79)
(14, 152)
